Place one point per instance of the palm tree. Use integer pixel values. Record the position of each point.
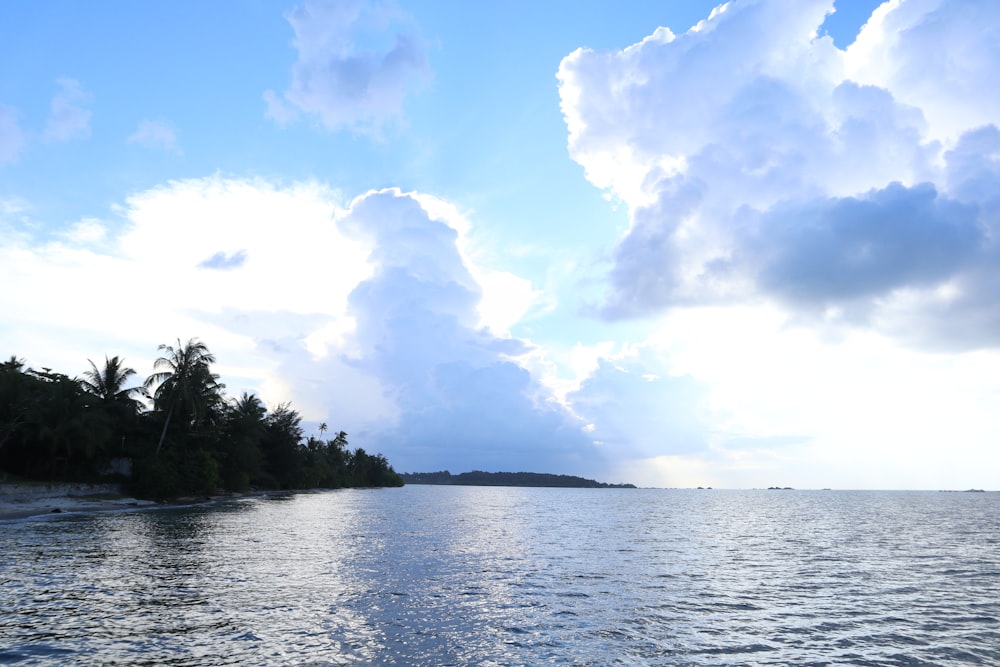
(340, 442)
(108, 384)
(240, 446)
(322, 429)
(185, 383)
(119, 402)
(249, 409)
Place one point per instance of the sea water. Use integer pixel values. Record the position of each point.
(431, 575)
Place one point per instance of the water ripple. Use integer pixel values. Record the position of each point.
(495, 576)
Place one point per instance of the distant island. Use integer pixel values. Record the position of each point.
(480, 478)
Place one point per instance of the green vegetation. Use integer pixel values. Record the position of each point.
(480, 478)
(177, 432)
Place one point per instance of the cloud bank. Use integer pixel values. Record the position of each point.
(357, 62)
(761, 163)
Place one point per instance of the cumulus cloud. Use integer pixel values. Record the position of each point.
(357, 62)
(69, 118)
(11, 137)
(155, 134)
(459, 399)
(365, 316)
(760, 162)
(841, 250)
(939, 56)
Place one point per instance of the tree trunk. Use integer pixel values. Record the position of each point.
(163, 433)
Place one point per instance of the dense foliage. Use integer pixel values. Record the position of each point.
(177, 432)
(480, 478)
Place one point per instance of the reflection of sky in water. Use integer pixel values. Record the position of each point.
(503, 576)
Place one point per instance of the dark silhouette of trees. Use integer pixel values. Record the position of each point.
(14, 392)
(240, 447)
(116, 400)
(185, 385)
(192, 441)
(480, 478)
(48, 426)
(282, 435)
(108, 383)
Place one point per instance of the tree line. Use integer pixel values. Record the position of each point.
(175, 434)
(480, 478)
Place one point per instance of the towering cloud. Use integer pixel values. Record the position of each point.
(759, 162)
(456, 397)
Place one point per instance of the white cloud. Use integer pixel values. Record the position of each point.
(743, 400)
(939, 56)
(11, 136)
(69, 118)
(357, 62)
(298, 270)
(86, 232)
(761, 162)
(461, 401)
(366, 316)
(806, 225)
(155, 134)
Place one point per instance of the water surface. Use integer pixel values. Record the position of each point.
(428, 575)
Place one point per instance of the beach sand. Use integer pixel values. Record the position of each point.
(20, 501)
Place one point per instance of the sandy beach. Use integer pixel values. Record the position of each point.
(20, 501)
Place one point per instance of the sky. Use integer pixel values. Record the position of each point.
(668, 243)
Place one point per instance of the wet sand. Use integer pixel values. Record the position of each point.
(12, 509)
(21, 501)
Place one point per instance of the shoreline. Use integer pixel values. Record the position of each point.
(27, 501)
(13, 508)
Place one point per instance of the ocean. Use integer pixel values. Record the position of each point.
(438, 575)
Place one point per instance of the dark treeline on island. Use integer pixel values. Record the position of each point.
(480, 478)
(175, 434)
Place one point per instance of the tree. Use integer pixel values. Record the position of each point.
(63, 430)
(108, 384)
(14, 389)
(185, 384)
(340, 441)
(240, 447)
(280, 446)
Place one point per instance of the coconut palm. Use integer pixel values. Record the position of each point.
(184, 384)
(240, 446)
(108, 383)
(119, 403)
(249, 409)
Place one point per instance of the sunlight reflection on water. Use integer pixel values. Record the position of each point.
(503, 576)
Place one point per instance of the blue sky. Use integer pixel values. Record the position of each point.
(661, 242)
